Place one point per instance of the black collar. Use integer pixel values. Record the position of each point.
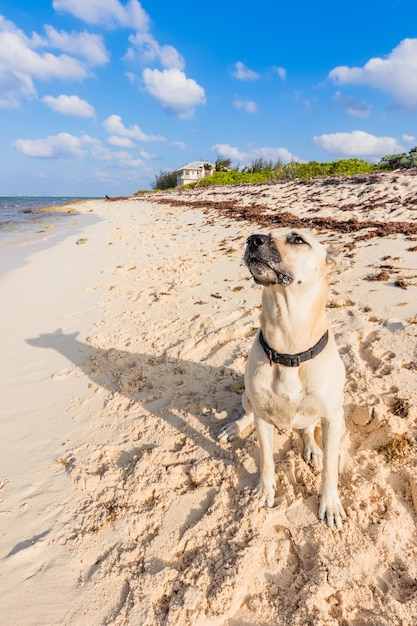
(293, 360)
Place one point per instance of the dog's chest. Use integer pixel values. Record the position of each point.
(288, 402)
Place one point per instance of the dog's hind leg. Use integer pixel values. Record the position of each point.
(312, 451)
(231, 430)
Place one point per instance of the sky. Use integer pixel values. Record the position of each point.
(101, 96)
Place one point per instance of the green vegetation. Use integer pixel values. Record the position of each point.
(402, 161)
(223, 165)
(231, 178)
(313, 169)
(261, 171)
(264, 171)
(165, 180)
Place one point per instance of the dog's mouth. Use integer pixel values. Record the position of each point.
(266, 274)
(264, 262)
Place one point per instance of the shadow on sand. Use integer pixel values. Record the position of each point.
(173, 389)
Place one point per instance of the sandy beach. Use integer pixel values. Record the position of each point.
(124, 345)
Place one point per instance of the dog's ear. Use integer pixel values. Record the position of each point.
(333, 253)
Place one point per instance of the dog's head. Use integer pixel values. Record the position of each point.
(285, 258)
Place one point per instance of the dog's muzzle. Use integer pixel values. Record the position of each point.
(264, 261)
(256, 241)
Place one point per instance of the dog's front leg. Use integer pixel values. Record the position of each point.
(331, 508)
(231, 430)
(266, 486)
(312, 452)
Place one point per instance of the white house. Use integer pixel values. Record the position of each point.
(192, 172)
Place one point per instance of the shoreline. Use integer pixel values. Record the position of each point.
(26, 238)
(123, 358)
(42, 290)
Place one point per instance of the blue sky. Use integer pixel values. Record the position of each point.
(99, 96)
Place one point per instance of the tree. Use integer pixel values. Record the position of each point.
(165, 180)
(222, 165)
(400, 161)
(259, 165)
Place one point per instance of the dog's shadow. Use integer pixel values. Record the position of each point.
(168, 387)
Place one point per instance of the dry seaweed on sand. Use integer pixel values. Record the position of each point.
(398, 450)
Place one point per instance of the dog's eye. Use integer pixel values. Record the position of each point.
(296, 239)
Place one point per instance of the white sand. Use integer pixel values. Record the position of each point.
(123, 357)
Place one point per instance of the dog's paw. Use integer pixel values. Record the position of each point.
(265, 494)
(313, 455)
(332, 511)
(228, 432)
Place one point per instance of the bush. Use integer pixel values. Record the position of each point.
(401, 160)
(265, 171)
(223, 165)
(165, 180)
(230, 178)
(262, 171)
(315, 169)
(259, 165)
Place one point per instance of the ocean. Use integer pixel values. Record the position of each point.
(21, 213)
(25, 229)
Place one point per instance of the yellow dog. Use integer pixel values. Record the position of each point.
(294, 375)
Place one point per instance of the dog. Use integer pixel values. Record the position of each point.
(294, 375)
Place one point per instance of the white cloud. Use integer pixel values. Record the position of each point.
(409, 138)
(17, 55)
(120, 142)
(106, 12)
(66, 146)
(357, 144)
(14, 85)
(246, 105)
(114, 178)
(241, 72)
(147, 155)
(246, 157)
(395, 74)
(103, 177)
(352, 106)
(21, 63)
(177, 93)
(299, 97)
(229, 152)
(114, 125)
(180, 144)
(282, 72)
(70, 105)
(86, 45)
(61, 146)
(133, 78)
(147, 49)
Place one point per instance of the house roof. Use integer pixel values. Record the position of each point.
(195, 165)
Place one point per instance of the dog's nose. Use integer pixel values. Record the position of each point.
(256, 241)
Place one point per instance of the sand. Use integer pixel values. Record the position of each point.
(124, 356)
